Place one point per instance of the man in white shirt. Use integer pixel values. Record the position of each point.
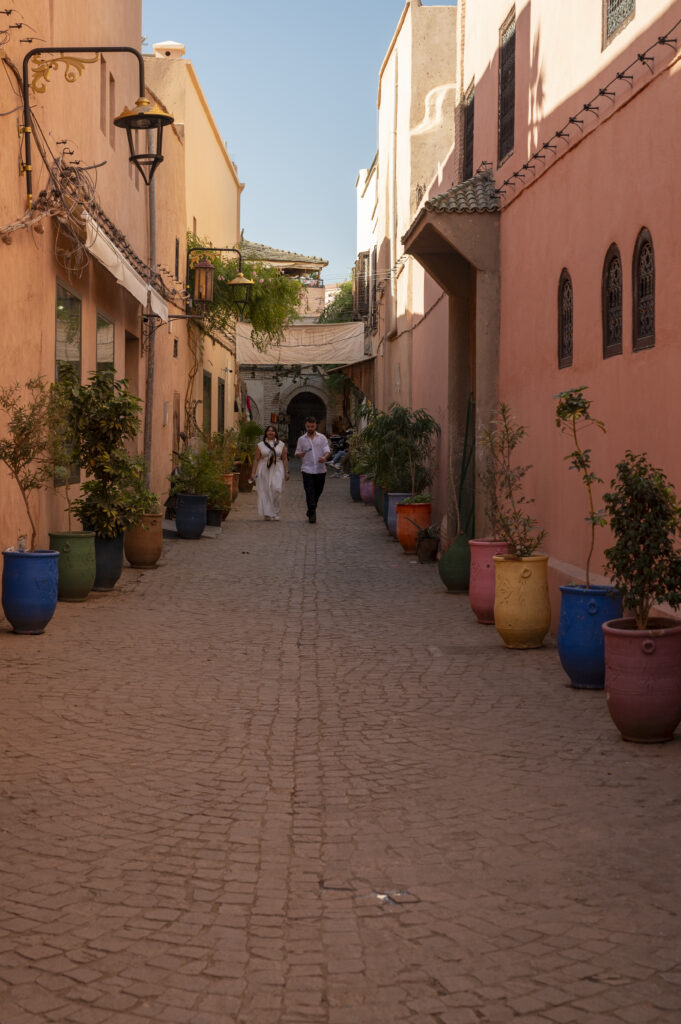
(313, 449)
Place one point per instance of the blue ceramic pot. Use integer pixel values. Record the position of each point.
(354, 487)
(392, 499)
(580, 635)
(190, 516)
(108, 561)
(30, 586)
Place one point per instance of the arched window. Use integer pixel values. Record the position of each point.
(612, 303)
(643, 286)
(564, 320)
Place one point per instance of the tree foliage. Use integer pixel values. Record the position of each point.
(24, 444)
(272, 306)
(645, 518)
(339, 310)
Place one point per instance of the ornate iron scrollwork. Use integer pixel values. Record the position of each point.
(73, 69)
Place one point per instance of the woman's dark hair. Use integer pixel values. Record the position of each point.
(270, 427)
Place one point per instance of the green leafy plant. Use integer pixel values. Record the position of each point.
(247, 436)
(63, 439)
(273, 302)
(396, 447)
(417, 499)
(432, 530)
(107, 415)
(572, 416)
(506, 503)
(340, 309)
(645, 518)
(200, 472)
(24, 445)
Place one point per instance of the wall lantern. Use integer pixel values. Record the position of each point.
(204, 277)
(147, 115)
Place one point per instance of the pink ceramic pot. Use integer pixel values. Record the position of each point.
(643, 678)
(366, 489)
(481, 586)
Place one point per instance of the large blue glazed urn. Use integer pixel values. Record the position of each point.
(30, 587)
(581, 648)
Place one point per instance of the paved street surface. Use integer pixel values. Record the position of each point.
(286, 777)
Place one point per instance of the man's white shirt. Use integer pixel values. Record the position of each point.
(314, 448)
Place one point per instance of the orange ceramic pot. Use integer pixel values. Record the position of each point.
(409, 518)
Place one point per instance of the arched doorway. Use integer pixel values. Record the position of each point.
(302, 405)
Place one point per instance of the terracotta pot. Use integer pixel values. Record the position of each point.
(144, 543)
(522, 612)
(481, 587)
(407, 532)
(643, 678)
(366, 489)
(244, 478)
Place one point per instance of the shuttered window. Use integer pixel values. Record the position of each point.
(507, 89)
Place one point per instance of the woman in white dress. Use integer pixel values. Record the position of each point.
(270, 469)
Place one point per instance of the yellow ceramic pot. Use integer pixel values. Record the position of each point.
(522, 613)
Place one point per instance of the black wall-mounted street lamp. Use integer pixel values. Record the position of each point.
(147, 115)
(204, 277)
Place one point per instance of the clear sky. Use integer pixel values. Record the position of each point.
(292, 85)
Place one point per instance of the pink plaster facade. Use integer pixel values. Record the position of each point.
(612, 175)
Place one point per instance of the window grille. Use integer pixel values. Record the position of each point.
(105, 343)
(468, 133)
(612, 303)
(644, 291)
(373, 312)
(506, 89)
(616, 14)
(221, 405)
(564, 320)
(361, 285)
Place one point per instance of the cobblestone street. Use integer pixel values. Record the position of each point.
(287, 778)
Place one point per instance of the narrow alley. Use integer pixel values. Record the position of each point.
(286, 777)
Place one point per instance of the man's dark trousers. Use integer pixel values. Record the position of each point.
(314, 485)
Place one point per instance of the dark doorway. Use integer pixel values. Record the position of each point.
(303, 405)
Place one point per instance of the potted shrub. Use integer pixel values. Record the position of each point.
(405, 455)
(481, 590)
(427, 542)
(107, 415)
(76, 564)
(643, 652)
(522, 613)
(584, 607)
(413, 514)
(191, 502)
(248, 434)
(143, 544)
(29, 578)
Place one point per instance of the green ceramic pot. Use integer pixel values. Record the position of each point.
(76, 563)
(455, 565)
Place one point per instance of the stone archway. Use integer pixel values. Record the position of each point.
(303, 404)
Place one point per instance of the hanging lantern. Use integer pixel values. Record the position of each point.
(204, 276)
(241, 291)
(147, 116)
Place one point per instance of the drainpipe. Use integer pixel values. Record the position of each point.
(151, 350)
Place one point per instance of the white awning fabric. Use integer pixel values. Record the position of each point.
(110, 257)
(305, 344)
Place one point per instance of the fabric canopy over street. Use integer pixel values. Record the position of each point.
(337, 344)
(110, 257)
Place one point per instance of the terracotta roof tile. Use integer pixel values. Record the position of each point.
(476, 195)
(258, 251)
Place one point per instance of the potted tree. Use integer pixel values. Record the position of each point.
(481, 591)
(411, 438)
(643, 652)
(29, 578)
(76, 547)
(584, 607)
(522, 612)
(427, 542)
(143, 544)
(191, 501)
(107, 415)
